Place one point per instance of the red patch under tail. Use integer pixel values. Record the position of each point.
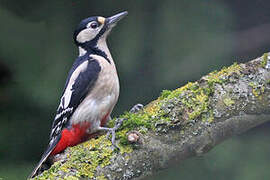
(76, 135)
(72, 137)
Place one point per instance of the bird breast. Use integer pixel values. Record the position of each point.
(101, 98)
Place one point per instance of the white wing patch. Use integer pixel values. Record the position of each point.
(65, 100)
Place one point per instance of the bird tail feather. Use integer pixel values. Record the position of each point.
(38, 167)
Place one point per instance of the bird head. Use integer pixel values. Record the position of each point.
(93, 30)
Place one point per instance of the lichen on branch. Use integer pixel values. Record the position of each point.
(179, 124)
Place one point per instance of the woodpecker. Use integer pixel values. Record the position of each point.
(91, 89)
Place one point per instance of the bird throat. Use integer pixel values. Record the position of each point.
(100, 49)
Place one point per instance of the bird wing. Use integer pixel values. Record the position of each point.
(81, 79)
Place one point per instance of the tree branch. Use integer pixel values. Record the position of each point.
(186, 122)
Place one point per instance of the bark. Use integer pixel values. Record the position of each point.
(186, 122)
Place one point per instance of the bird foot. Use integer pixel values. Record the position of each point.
(118, 123)
(136, 108)
(112, 131)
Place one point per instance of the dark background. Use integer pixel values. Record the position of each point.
(160, 45)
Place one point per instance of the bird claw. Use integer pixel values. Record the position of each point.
(112, 131)
(118, 123)
(136, 108)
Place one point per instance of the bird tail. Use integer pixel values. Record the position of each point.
(38, 169)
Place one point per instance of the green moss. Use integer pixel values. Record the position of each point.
(88, 156)
(228, 101)
(257, 89)
(264, 60)
(132, 121)
(164, 94)
(102, 177)
(193, 99)
(70, 178)
(222, 75)
(177, 92)
(50, 173)
(84, 159)
(136, 120)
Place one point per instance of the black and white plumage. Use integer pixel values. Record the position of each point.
(91, 89)
(81, 79)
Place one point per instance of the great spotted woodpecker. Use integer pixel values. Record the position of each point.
(91, 90)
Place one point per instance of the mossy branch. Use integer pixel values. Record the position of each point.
(186, 122)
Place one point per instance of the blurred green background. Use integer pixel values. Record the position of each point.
(160, 45)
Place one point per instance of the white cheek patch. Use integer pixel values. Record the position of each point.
(86, 35)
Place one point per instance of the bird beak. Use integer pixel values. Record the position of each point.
(112, 21)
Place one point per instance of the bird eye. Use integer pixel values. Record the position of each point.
(94, 25)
